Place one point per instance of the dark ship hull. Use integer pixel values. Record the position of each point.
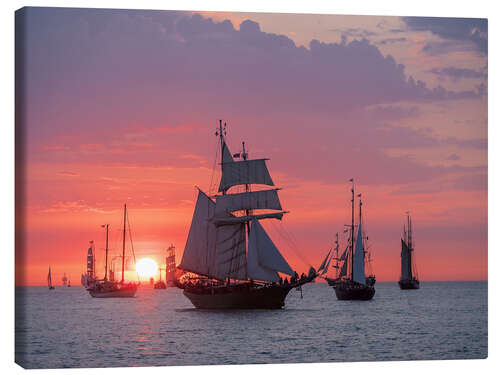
(409, 284)
(331, 282)
(113, 290)
(240, 296)
(348, 290)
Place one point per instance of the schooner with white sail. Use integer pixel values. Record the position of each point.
(352, 283)
(237, 264)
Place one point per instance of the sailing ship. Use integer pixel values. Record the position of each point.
(64, 280)
(170, 267)
(352, 283)
(233, 262)
(112, 289)
(49, 280)
(409, 277)
(69, 283)
(160, 284)
(88, 279)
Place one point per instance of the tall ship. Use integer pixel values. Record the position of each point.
(231, 260)
(106, 288)
(352, 283)
(49, 280)
(409, 277)
(88, 279)
(170, 266)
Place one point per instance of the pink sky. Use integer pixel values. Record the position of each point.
(123, 105)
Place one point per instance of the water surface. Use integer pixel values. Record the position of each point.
(66, 327)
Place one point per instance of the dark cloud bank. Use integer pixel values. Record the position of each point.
(88, 69)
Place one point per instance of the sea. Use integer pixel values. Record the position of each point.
(66, 328)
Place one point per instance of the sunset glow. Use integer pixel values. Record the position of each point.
(396, 103)
(146, 267)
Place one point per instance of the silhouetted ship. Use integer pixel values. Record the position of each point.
(170, 266)
(352, 284)
(409, 277)
(49, 280)
(228, 274)
(112, 289)
(88, 279)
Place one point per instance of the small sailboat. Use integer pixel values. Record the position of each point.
(49, 280)
(160, 284)
(228, 273)
(65, 280)
(354, 285)
(409, 277)
(112, 289)
(69, 283)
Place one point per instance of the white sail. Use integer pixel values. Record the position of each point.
(358, 274)
(230, 252)
(264, 259)
(261, 199)
(244, 172)
(199, 253)
(230, 220)
(405, 262)
(226, 154)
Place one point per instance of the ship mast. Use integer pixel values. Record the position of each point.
(106, 264)
(410, 247)
(352, 230)
(123, 246)
(337, 255)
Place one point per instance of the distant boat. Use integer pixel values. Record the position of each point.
(170, 267)
(227, 275)
(65, 279)
(49, 280)
(88, 279)
(160, 284)
(112, 289)
(409, 277)
(69, 284)
(353, 283)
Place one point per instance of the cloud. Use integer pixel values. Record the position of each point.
(391, 41)
(118, 82)
(456, 74)
(458, 33)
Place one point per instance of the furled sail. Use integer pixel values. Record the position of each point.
(244, 172)
(199, 253)
(229, 220)
(405, 262)
(264, 259)
(358, 274)
(261, 199)
(230, 252)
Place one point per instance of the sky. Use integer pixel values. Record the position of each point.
(122, 106)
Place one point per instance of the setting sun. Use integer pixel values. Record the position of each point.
(146, 267)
